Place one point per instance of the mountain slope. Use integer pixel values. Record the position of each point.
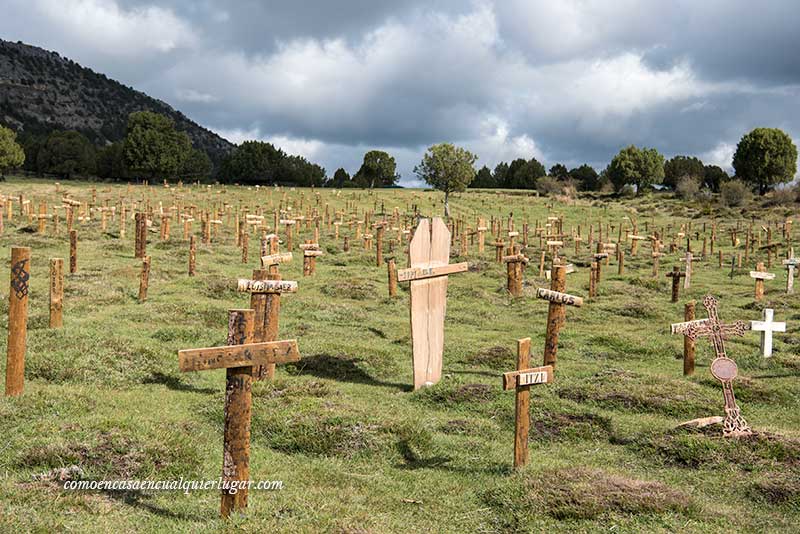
(41, 91)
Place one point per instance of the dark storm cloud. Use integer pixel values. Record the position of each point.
(569, 81)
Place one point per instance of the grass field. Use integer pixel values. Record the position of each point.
(357, 450)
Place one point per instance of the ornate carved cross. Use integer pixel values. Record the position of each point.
(723, 368)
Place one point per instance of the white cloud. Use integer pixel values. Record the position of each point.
(721, 154)
(111, 30)
(191, 95)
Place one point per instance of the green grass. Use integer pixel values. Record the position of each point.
(356, 449)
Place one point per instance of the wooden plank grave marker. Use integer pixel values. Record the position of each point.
(521, 380)
(429, 253)
(791, 264)
(676, 276)
(238, 358)
(767, 327)
(17, 320)
(723, 368)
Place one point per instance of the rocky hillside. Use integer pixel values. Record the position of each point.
(41, 91)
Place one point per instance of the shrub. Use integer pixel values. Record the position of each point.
(547, 185)
(734, 193)
(687, 187)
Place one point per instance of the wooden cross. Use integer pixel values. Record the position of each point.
(521, 380)
(723, 368)
(676, 276)
(428, 253)
(556, 312)
(760, 275)
(767, 327)
(515, 265)
(310, 253)
(238, 358)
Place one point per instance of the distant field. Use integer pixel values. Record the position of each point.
(357, 450)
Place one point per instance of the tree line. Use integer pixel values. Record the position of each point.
(153, 149)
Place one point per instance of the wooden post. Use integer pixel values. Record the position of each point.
(144, 279)
(688, 342)
(56, 292)
(379, 245)
(555, 315)
(392, 267)
(192, 255)
(140, 245)
(621, 262)
(245, 243)
(238, 406)
(676, 276)
(593, 280)
(514, 264)
(17, 320)
(73, 251)
(522, 407)
(521, 380)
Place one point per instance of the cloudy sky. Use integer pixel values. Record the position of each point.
(567, 81)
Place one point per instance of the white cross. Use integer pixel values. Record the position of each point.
(766, 327)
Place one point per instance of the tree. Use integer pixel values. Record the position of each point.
(523, 174)
(65, 154)
(448, 168)
(153, 146)
(765, 157)
(197, 165)
(586, 176)
(378, 168)
(681, 166)
(340, 177)
(483, 179)
(252, 162)
(713, 177)
(11, 154)
(111, 162)
(500, 174)
(559, 171)
(634, 166)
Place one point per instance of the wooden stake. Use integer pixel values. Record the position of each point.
(73, 251)
(56, 292)
(17, 320)
(392, 267)
(522, 407)
(688, 342)
(192, 255)
(144, 279)
(238, 407)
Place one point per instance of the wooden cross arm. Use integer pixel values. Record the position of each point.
(558, 297)
(309, 246)
(758, 275)
(689, 328)
(673, 274)
(528, 377)
(238, 355)
(266, 286)
(420, 273)
(312, 253)
(276, 259)
(515, 258)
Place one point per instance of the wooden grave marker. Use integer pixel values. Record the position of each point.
(556, 311)
(238, 358)
(767, 327)
(515, 264)
(723, 368)
(790, 264)
(760, 275)
(56, 292)
(676, 276)
(17, 320)
(521, 380)
(265, 299)
(429, 253)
